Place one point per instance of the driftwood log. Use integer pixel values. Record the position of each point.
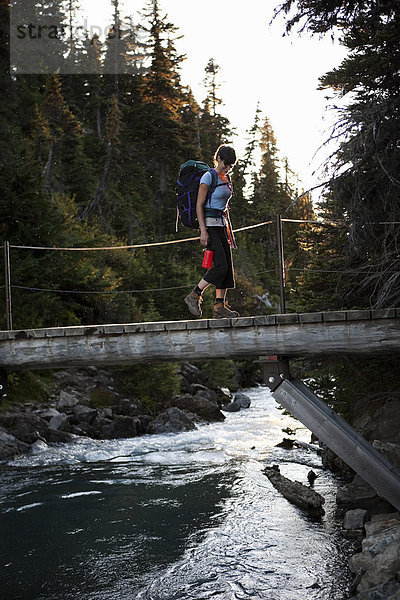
(297, 493)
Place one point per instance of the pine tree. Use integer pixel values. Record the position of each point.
(365, 184)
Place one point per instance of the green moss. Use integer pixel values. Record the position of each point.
(101, 398)
(152, 384)
(221, 373)
(25, 386)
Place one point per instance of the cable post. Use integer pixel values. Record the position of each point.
(281, 262)
(7, 270)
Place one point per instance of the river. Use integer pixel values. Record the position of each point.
(174, 516)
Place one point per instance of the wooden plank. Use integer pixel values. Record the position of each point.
(84, 330)
(154, 326)
(113, 329)
(198, 324)
(7, 335)
(133, 327)
(315, 317)
(334, 315)
(55, 332)
(289, 318)
(383, 313)
(217, 323)
(265, 320)
(358, 315)
(35, 333)
(175, 325)
(242, 322)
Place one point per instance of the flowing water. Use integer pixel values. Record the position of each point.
(173, 516)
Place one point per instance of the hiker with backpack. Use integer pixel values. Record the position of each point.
(214, 193)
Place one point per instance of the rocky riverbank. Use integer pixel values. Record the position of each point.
(89, 403)
(369, 518)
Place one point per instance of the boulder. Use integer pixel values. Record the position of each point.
(377, 418)
(26, 427)
(232, 407)
(389, 450)
(192, 374)
(66, 400)
(59, 422)
(198, 405)
(38, 447)
(84, 413)
(53, 436)
(242, 399)
(203, 393)
(358, 494)
(300, 495)
(120, 426)
(48, 413)
(10, 446)
(186, 386)
(386, 591)
(286, 443)
(331, 461)
(354, 519)
(172, 420)
(224, 394)
(380, 556)
(130, 407)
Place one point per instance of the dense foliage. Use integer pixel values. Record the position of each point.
(363, 193)
(360, 253)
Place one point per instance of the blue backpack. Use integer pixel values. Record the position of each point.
(187, 189)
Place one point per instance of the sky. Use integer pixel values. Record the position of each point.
(257, 64)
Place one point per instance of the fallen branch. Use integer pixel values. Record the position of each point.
(297, 493)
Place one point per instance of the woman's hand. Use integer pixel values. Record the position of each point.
(204, 237)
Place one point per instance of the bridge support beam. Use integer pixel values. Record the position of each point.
(333, 431)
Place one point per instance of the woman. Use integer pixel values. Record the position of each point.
(213, 223)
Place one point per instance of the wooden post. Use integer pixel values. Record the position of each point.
(281, 262)
(8, 284)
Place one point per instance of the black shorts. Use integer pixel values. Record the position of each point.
(221, 273)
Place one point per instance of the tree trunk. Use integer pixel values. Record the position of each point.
(94, 204)
(47, 170)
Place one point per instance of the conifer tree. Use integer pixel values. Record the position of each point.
(364, 189)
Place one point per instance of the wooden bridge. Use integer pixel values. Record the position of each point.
(334, 332)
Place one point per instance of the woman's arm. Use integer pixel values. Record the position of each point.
(201, 199)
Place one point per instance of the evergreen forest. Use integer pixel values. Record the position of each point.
(91, 158)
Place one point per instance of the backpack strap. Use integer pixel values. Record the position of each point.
(212, 187)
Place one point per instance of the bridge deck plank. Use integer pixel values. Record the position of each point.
(331, 332)
(358, 315)
(315, 317)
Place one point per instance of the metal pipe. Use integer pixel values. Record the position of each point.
(281, 262)
(8, 284)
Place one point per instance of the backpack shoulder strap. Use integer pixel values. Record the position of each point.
(211, 189)
(214, 180)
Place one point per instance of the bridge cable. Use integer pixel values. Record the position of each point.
(178, 287)
(131, 246)
(169, 242)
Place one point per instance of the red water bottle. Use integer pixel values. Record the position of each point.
(208, 259)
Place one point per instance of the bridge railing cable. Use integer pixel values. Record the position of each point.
(130, 246)
(281, 269)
